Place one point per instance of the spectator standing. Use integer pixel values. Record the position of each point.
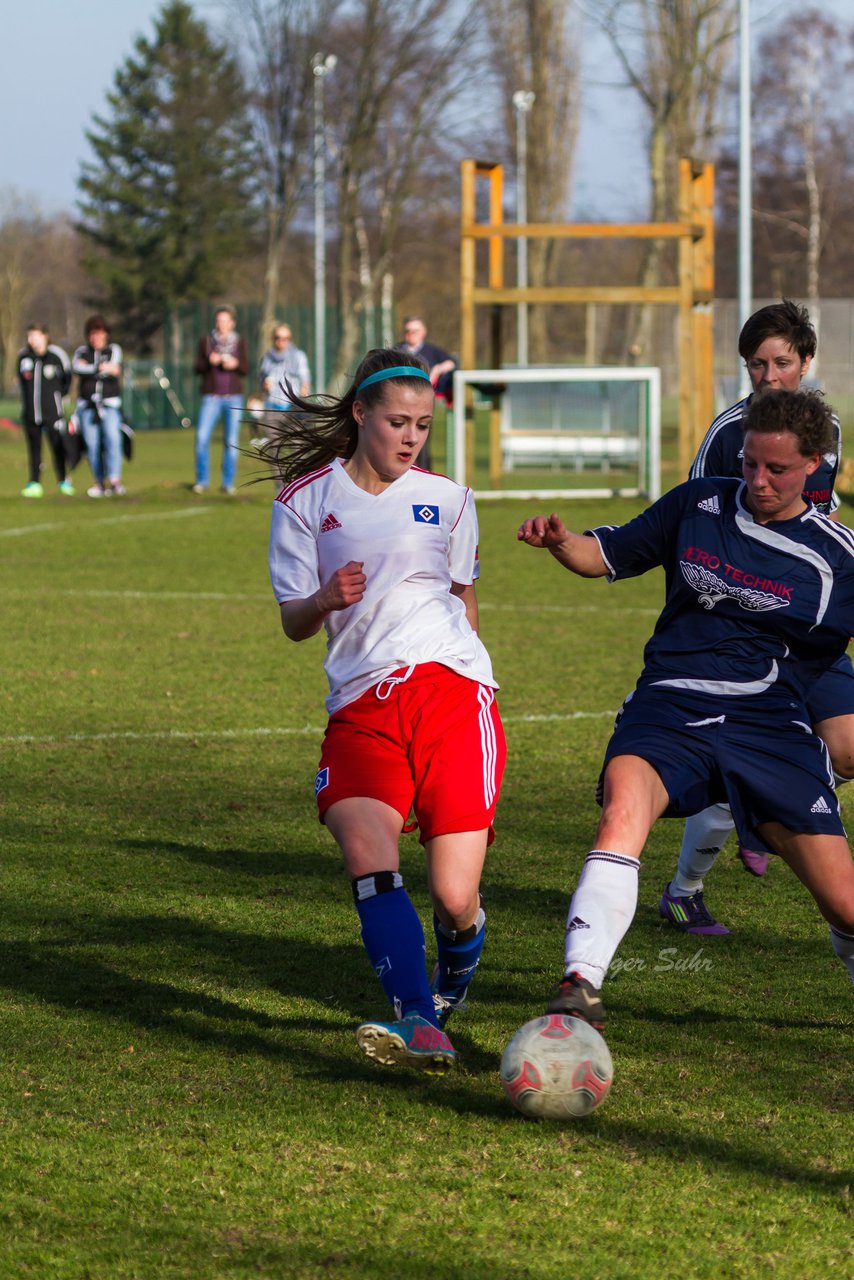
(283, 366)
(222, 363)
(98, 365)
(44, 376)
(440, 365)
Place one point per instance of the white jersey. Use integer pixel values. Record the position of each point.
(414, 539)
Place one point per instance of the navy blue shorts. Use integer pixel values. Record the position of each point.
(765, 761)
(833, 693)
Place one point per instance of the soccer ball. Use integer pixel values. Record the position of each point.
(556, 1068)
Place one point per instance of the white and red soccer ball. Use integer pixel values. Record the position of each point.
(556, 1068)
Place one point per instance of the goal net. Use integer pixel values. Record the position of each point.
(557, 432)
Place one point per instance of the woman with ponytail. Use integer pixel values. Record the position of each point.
(383, 555)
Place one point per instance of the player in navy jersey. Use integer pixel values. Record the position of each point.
(384, 555)
(759, 601)
(778, 345)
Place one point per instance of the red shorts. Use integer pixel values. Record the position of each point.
(434, 744)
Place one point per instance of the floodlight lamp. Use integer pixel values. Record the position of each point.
(321, 65)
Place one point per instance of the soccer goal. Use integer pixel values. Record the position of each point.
(579, 432)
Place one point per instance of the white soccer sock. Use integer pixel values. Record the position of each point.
(843, 945)
(601, 910)
(705, 836)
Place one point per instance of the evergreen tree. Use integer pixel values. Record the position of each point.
(167, 201)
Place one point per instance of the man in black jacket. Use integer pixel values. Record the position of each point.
(44, 376)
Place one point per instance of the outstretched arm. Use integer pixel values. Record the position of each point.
(577, 552)
(304, 618)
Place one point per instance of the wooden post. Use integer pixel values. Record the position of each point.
(468, 173)
(468, 268)
(495, 173)
(495, 469)
(703, 271)
(693, 293)
(687, 425)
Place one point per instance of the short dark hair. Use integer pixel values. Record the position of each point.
(96, 322)
(785, 320)
(228, 309)
(805, 413)
(35, 327)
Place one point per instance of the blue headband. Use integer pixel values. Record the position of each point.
(399, 371)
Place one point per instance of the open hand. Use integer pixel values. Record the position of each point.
(543, 531)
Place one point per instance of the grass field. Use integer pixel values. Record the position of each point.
(182, 974)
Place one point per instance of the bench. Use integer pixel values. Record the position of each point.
(567, 448)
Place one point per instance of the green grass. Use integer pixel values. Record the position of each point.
(181, 969)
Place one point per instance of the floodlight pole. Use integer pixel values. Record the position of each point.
(745, 183)
(523, 100)
(321, 66)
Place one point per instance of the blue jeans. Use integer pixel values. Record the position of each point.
(103, 441)
(231, 407)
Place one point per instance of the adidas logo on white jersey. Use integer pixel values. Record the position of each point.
(710, 504)
(330, 523)
(577, 923)
(821, 806)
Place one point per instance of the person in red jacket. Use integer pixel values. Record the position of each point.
(223, 363)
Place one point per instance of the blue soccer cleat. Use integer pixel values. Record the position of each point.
(413, 1041)
(445, 1005)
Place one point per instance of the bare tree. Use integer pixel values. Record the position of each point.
(402, 64)
(803, 140)
(674, 54)
(534, 46)
(21, 231)
(280, 37)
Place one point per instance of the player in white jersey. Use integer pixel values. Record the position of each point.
(384, 555)
(778, 344)
(759, 601)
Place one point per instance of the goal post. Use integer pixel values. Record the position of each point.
(550, 429)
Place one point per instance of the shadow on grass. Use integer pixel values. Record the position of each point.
(56, 974)
(243, 862)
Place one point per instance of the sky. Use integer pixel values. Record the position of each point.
(60, 57)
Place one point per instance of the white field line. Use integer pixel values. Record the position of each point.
(96, 593)
(23, 530)
(616, 610)
(103, 594)
(213, 735)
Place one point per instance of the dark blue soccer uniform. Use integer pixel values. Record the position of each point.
(722, 450)
(753, 615)
(721, 454)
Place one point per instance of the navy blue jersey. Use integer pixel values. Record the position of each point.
(722, 451)
(750, 608)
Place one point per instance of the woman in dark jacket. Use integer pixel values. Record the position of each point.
(98, 365)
